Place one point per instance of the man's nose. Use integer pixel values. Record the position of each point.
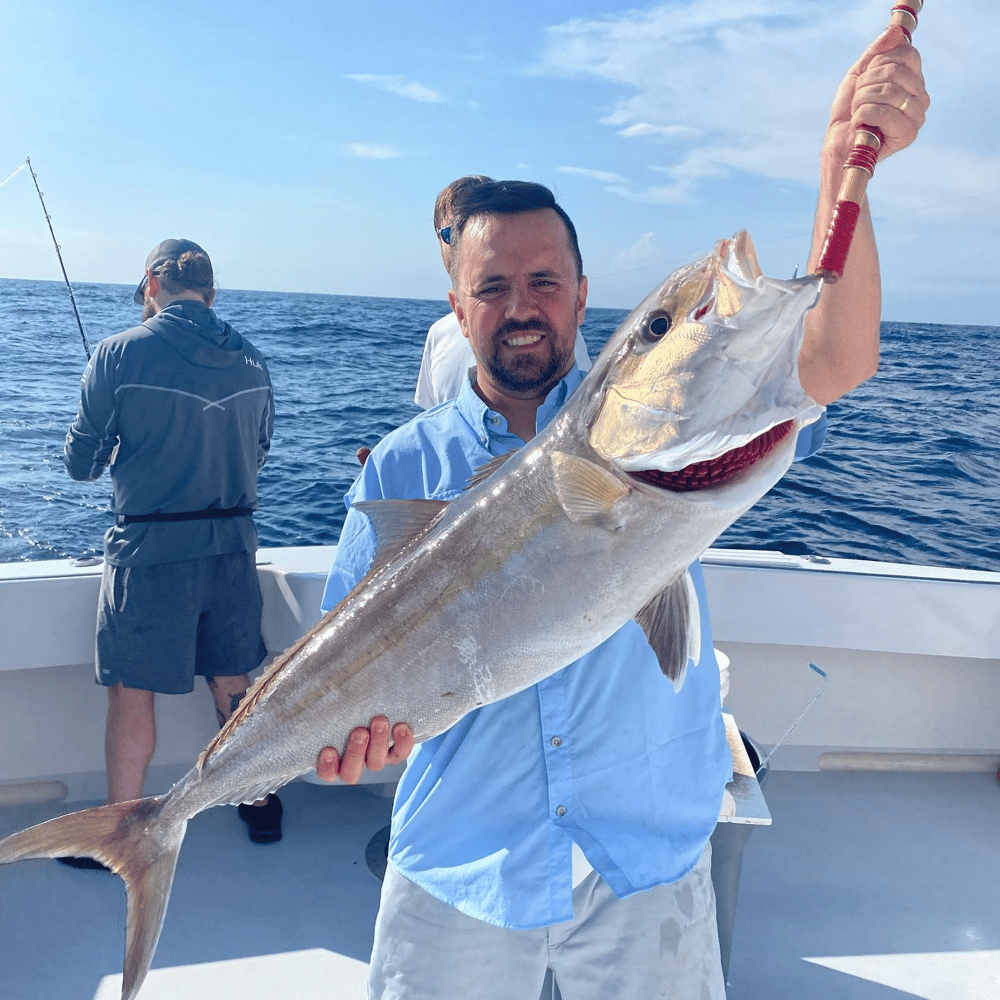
(522, 303)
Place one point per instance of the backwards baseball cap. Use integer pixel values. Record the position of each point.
(167, 250)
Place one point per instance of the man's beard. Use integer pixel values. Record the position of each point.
(148, 307)
(524, 373)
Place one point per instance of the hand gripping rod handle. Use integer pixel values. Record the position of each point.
(858, 170)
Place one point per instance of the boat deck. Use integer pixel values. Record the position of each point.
(868, 886)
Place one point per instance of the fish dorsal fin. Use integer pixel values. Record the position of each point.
(587, 493)
(397, 523)
(672, 623)
(488, 468)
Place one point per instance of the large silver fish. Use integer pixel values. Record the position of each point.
(688, 417)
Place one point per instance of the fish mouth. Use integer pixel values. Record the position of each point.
(714, 472)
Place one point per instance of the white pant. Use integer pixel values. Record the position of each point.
(661, 943)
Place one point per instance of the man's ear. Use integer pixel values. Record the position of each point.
(456, 308)
(152, 284)
(211, 298)
(581, 301)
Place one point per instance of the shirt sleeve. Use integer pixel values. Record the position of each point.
(356, 548)
(93, 436)
(811, 439)
(424, 394)
(266, 428)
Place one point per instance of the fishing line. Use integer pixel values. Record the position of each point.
(14, 174)
(822, 687)
(55, 243)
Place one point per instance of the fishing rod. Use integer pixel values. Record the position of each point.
(55, 243)
(858, 170)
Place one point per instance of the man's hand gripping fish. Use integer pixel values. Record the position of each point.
(688, 417)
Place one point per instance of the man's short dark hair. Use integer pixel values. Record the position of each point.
(454, 194)
(507, 198)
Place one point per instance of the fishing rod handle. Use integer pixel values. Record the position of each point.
(858, 170)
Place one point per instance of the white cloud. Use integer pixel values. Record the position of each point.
(372, 151)
(598, 175)
(643, 251)
(648, 131)
(399, 86)
(746, 85)
(704, 73)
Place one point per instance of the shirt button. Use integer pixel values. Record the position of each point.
(556, 741)
(561, 811)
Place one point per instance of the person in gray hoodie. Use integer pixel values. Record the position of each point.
(181, 411)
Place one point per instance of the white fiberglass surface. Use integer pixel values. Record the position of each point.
(871, 887)
(865, 887)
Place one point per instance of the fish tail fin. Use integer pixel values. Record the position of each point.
(136, 841)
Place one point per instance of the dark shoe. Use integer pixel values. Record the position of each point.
(263, 822)
(90, 863)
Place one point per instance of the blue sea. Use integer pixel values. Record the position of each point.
(909, 473)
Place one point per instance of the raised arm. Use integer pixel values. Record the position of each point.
(884, 88)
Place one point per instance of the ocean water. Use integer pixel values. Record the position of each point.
(910, 472)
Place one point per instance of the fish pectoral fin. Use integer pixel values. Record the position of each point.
(672, 623)
(587, 493)
(397, 523)
(488, 468)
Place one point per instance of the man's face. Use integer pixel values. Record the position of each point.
(518, 300)
(149, 307)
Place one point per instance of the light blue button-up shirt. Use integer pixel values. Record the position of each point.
(603, 752)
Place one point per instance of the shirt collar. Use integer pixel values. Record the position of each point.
(489, 423)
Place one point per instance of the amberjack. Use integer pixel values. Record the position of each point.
(689, 415)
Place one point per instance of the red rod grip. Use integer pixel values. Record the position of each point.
(858, 170)
(838, 241)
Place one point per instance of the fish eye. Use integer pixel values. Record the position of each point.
(657, 325)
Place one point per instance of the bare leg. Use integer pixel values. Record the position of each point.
(129, 741)
(227, 693)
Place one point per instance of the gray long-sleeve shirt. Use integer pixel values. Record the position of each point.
(182, 409)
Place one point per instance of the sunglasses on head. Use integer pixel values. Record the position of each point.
(445, 235)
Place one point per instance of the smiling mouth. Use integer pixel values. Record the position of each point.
(716, 471)
(524, 340)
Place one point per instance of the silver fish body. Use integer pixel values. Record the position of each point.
(689, 416)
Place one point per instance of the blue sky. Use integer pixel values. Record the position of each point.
(302, 144)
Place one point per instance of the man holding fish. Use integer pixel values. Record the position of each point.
(566, 827)
(558, 810)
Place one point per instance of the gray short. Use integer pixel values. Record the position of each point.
(659, 943)
(158, 626)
